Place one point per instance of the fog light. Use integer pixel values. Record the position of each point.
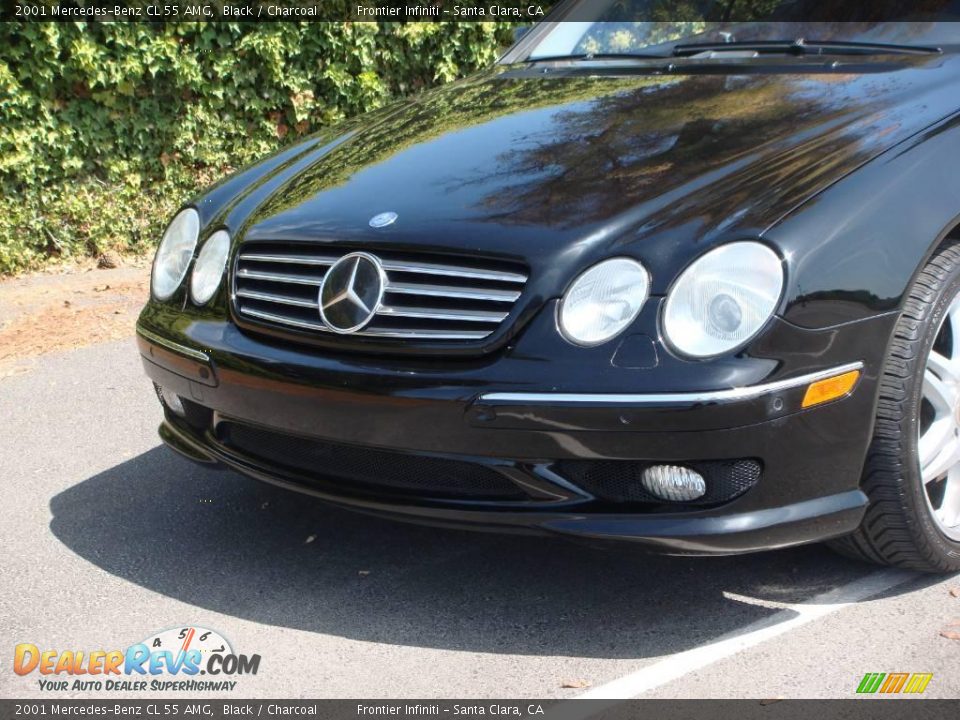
(171, 401)
(671, 482)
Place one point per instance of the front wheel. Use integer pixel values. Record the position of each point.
(912, 469)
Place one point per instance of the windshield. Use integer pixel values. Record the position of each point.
(655, 27)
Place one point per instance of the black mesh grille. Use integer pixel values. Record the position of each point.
(619, 480)
(372, 470)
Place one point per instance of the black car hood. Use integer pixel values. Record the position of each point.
(561, 168)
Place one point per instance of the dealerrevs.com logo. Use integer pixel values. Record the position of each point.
(184, 653)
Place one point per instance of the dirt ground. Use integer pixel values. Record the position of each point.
(66, 307)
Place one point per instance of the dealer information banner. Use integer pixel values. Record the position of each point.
(519, 11)
(287, 10)
(501, 709)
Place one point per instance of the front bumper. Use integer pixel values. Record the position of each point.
(811, 459)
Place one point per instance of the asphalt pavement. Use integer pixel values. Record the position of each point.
(108, 538)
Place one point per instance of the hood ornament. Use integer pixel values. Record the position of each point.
(383, 219)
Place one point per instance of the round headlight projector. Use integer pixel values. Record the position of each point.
(673, 483)
(208, 270)
(723, 299)
(603, 301)
(174, 254)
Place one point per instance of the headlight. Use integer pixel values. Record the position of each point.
(173, 256)
(723, 299)
(603, 301)
(209, 267)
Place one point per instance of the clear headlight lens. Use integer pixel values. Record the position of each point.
(208, 270)
(723, 299)
(603, 301)
(173, 256)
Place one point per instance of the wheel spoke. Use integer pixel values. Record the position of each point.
(947, 369)
(939, 393)
(935, 439)
(942, 461)
(949, 510)
(953, 317)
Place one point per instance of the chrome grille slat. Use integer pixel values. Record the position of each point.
(427, 334)
(439, 314)
(278, 277)
(453, 271)
(452, 292)
(281, 299)
(292, 259)
(420, 334)
(427, 297)
(273, 317)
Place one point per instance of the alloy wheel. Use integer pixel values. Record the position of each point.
(938, 448)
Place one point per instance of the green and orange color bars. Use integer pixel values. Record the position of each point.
(894, 682)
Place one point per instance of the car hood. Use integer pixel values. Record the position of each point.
(557, 169)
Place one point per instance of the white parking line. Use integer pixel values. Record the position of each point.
(790, 618)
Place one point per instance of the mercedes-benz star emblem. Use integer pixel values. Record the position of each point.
(383, 219)
(351, 292)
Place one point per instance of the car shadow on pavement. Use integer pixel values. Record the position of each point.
(233, 545)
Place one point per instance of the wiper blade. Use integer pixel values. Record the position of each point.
(595, 56)
(801, 46)
(762, 47)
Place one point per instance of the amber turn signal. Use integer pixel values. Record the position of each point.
(830, 389)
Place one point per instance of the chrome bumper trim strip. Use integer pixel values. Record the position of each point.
(684, 398)
(173, 346)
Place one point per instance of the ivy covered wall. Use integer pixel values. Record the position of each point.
(105, 128)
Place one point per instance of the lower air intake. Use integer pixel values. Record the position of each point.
(369, 470)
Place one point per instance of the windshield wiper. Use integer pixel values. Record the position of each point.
(796, 47)
(801, 46)
(595, 56)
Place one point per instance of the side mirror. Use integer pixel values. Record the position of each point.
(519, 32)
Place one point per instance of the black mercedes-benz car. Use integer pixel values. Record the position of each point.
(690, 284)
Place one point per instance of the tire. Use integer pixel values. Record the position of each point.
(913, 517)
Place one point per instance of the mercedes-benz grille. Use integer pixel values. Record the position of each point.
(426, 297)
